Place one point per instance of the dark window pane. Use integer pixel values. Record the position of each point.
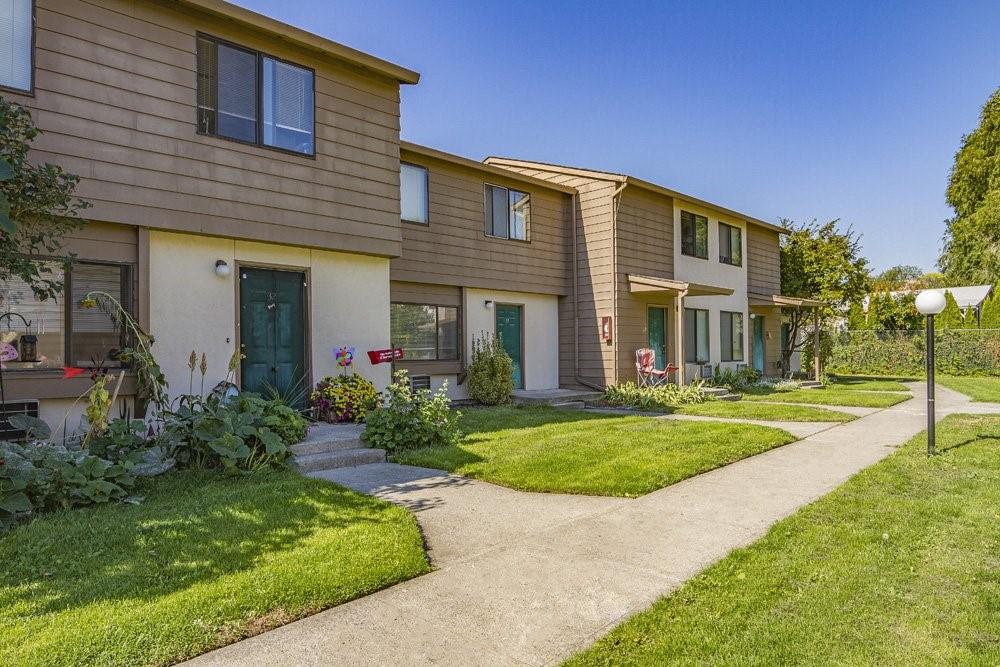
(737, 336)
(701, 237)
(520, 211)
(447, 333)
(726, 335)
(687, 233)
(694, 235)
(207, 86)
(690, 334)
(413, 193)
(414, 329)
(237, 94)
(95, 334)
(288, 106)
(736, 246)
(497, 211)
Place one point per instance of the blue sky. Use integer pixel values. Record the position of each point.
(803, 110)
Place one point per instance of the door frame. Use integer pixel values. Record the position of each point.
(306, 314)
(524, 365)
(666, 330)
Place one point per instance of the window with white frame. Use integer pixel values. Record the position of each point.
(731, 335)
(413, 193)
(16, 36)
(508, 212)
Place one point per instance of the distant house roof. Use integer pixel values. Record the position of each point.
(966, 297)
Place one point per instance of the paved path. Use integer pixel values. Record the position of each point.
(529, 579)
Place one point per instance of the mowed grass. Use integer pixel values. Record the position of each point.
(866, 383)
(203, 562)
(899, 566)
(763, 411)
(978, 389)
(827, 396)
(571, 451)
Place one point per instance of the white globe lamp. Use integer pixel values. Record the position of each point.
(930, 303)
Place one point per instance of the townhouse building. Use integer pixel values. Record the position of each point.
(251, 192)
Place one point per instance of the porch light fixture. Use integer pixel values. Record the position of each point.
(488, 304)
(222, 268)
(930, 303)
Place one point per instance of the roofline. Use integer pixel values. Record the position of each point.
(638, 182)
(426, 151)
(303, 38)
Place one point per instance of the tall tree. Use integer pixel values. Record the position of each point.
(37, 205)
(971, 247)
(897, 277)
(819, 261)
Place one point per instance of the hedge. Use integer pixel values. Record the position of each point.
(957, 352)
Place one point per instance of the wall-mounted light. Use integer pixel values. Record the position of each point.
(488, 304)
(753, 316)
(222, 268)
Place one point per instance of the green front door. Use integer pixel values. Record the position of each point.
(758, 344)
(657, 325)
(272, 330)
(509, 330)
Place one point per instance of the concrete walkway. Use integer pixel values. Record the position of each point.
(529, 579)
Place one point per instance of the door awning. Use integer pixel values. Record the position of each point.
(784, 301)
(649, 284)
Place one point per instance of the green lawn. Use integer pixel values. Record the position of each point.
(827, 396)
(865, 383)
(899, 566)
(571, 451)
(978, 389)
(203, 562)
(767, 411)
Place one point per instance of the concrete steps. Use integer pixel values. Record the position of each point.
(330, 446)
(721, 394)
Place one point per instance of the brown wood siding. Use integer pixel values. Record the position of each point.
(453, 249)
(645, 247)
(763, 261)
(115, 95)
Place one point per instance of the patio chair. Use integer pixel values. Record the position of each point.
(645, 368)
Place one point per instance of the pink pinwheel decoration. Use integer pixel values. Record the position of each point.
(7, 352)
(344, 356)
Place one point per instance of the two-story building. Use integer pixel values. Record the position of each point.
(251, 193)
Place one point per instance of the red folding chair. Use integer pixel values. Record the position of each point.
(645, 368)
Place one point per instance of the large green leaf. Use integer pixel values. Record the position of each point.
(6, 170)
(15, 502)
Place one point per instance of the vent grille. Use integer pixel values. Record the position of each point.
(420, 382)
(8, 432)
(706, 372)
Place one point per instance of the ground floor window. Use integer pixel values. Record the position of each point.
(59, 332)
(696, 336)
(425, 332)
(731, 335)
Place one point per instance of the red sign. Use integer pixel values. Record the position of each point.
(383, 356)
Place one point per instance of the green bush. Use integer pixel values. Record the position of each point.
(343, 398)
(629, 394)
(734, 380)
(243, 432)
(408, 419)
(903, 353)
(491, 372)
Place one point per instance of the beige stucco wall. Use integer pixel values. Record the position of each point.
(713, 272)
(541, 331)
(193, 308)
(65, 415)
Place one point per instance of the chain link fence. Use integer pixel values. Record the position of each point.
(903, 352)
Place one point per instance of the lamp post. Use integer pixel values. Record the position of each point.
(930, 303)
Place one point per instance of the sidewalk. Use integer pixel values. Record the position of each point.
(529, 579)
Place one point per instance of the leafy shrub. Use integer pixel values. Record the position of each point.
(243, 432)
(343, 398)
(902, 353)
(735, 380)
(408, 419)
(491, 372)
(39, 476)
(629, 394)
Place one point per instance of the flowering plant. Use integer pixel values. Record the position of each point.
(343, 398)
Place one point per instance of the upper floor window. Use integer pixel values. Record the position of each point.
(424, 332)
(508, 213)
(248, 96)
(730, 244)
(694, 235)
(15, 44)
(413, 193)
(731, 335)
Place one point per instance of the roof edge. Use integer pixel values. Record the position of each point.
(304, 38)
(426, 151)
(638, 182)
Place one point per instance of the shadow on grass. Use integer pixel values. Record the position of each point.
(968, 441)
(500, 418)
(862, 379)
(191, 529)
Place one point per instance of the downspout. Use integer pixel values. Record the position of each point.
(576, 302)
(615, 203)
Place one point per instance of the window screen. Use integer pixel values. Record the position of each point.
(730, 244)
(413, 193)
